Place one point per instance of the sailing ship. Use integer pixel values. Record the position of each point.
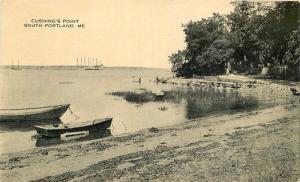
(89, 64)
(13, 67)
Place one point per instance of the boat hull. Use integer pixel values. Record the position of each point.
(35, 114)
(58, 130)
(158, 95)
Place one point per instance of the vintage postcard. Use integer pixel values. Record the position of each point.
(149, 90)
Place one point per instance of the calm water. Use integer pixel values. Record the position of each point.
(110, 92)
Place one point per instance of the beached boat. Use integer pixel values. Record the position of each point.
(72, 137)
(56, 130)
(33, 114)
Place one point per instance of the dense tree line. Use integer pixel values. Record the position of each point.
(252, 36)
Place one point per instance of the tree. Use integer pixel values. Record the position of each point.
(217, 56)
(280, 23)
(246, 22)
(178, 63)
(199, 37)
(255, 33)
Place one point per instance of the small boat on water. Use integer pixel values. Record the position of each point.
(33, 114)
(56, 130)
(158, 94)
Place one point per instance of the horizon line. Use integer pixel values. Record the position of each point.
(27, 65)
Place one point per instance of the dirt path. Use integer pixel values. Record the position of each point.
(250, 146)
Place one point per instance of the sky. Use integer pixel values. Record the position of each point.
(139, 33)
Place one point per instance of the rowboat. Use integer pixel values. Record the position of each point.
(33, 114)
(83, 136)
(158, 94)
(56, 130)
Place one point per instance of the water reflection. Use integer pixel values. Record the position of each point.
(212, 101)
(25, 125)
(138, 97)
(42, 142)
(198, 101)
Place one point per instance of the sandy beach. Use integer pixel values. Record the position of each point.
(256, 145)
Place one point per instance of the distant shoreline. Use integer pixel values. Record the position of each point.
(70, 67)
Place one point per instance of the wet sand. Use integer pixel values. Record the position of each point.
(260, 145)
